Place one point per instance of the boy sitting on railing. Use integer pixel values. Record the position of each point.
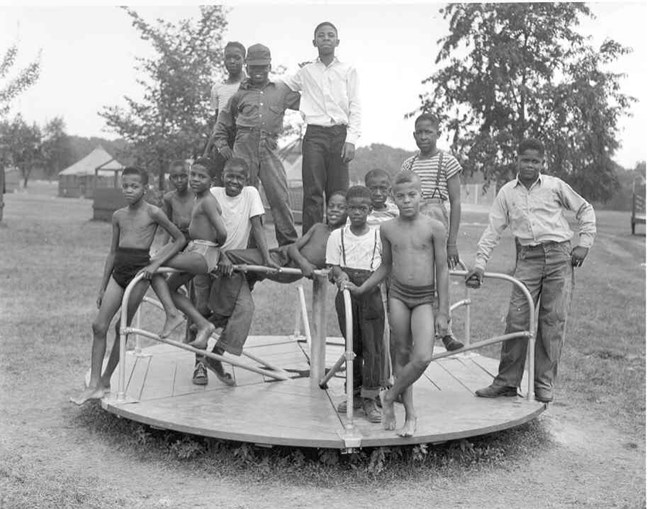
(414, 253)
(134, 229)
(306, 254)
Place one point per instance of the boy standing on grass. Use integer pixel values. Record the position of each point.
(354, 252)
(229, 298)
(256, 111)
(331, 107)
(414, 254)
(233, 60)
(177, 204)
(207, 232)
(439, 174)
(533, 205)
(134, 229)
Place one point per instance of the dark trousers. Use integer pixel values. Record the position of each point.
(323, 170)
(367, 336)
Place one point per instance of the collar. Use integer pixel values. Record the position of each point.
(246, 84)
(319, 61)
(538, 181)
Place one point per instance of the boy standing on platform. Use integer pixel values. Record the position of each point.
(533, 205)
(233, 60)
(414, 254)
(331, 108)
(256, 111)
(354, 253)
(134, 228)
(439, 174)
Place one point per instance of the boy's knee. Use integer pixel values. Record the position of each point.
(100, 327)
(421, 362)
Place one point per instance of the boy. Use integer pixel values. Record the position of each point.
(207, 232)
(177, 204)
(414, 254)
(532, 205)
(229, 297)
(256, 110)
(134, 228)
(439, 174)
(378, 181)
(307, 253)
(354, 252)
(233, 60)
(332, 110)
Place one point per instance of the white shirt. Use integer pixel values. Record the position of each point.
(237, 212)
(330, 95)
(354, 251)
(221, 94)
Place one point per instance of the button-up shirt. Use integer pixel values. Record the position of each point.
(330, 95)
(257, 108)
(535, 216)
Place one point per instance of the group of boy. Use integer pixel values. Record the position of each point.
(365, 238)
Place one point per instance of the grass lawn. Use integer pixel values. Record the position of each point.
(51, 260)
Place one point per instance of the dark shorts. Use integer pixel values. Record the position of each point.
(411, 296)
(128, 262)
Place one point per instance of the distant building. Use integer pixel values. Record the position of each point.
(97, 170)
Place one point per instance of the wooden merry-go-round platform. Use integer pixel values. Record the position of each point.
(261, 410)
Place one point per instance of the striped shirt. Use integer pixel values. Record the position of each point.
(434, 172)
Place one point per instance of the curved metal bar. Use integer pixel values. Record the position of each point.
(349, 357)
(529, 334)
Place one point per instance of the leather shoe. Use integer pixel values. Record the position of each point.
(451, 343)
(495, 391)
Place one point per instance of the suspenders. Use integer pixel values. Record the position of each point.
(436, 187)
(374, 249)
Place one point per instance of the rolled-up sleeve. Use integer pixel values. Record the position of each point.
(497, 222)
(584, 213)
(354, 114)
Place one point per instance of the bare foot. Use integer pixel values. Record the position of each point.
(202, 336)
(171, 323)
(88, 394)
(388, 412)
(409, 428)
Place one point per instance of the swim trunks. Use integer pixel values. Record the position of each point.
(208, 250)
(411, 296)
(128, 262)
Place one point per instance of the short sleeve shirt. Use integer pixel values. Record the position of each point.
(221, 94)
(237, 212)
(354, 251)
(434, 172)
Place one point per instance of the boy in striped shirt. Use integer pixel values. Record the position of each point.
(439, 174)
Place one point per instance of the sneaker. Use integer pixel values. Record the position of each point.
(342, 407)
(200, 375)
(451, 343)
(370, 409)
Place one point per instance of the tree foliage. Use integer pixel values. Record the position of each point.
(56, 147)
(514, 70)
(22, 146)
(12, 85)
(172, 120)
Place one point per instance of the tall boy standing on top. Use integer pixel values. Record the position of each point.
(532, 205)
(256, 110)
(414, 254)
(439, 174)
(134, 228)
(354, 252)
(331, 107)
(233, 60)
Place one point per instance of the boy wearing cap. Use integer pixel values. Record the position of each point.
(256, 111)
(331, 107)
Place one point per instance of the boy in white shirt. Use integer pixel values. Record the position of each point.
(354, 253)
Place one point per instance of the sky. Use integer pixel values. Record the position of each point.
(88, 57)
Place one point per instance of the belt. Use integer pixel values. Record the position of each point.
(335, 126)
(256, 129)
(547, 243)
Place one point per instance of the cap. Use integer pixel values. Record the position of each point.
(258, 54)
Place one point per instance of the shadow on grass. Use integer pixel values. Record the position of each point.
(312, 466)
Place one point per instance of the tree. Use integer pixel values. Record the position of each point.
(515, 70)
(173, 119)
(22, 143)
(56, 147)
(11, 87)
